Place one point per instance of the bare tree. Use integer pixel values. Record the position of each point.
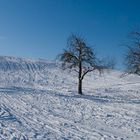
(79, 56)
(133, 54)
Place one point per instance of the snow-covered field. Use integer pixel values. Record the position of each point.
(38, 101)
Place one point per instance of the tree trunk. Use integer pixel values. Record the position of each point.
(80, 72)
(80, 80)
(80, 86)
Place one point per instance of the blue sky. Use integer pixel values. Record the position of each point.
(40, 28)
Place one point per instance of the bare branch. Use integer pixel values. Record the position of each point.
(87, 71)
(133, 54)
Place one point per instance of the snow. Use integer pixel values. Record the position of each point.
(39, 101)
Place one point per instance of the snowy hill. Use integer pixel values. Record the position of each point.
(38, 101)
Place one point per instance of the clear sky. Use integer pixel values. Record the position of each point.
(40, 28)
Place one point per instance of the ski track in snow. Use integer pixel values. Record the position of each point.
(38, 101)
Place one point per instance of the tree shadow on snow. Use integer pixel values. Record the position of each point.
(94, 98)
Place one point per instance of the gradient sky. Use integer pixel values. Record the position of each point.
(40, 28)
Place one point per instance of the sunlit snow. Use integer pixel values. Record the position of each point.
(39, 101)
